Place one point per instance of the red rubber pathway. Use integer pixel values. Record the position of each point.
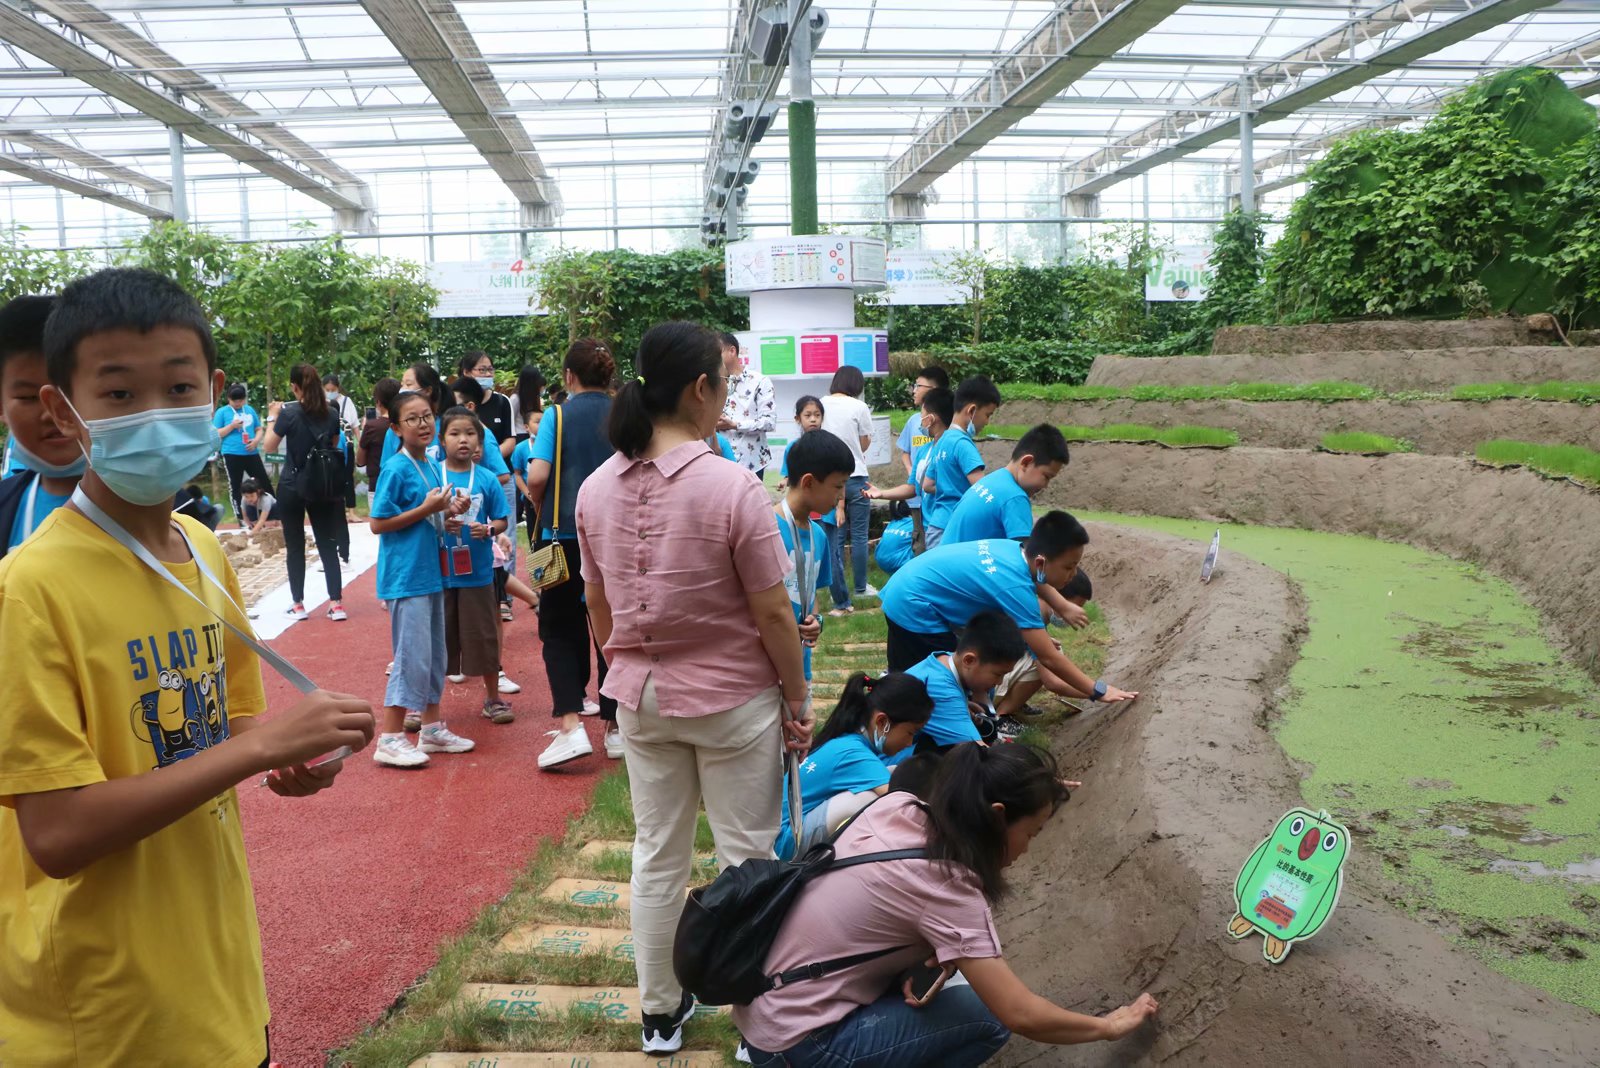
(357, 887)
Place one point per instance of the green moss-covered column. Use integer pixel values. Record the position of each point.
(803, 167)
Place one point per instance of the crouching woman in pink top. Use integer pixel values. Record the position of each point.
(984, 809)
(683, 570)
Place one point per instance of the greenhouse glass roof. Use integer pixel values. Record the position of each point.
(442, 129)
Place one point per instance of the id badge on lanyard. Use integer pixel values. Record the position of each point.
(460, 562)
(291, 674)
(805, 573)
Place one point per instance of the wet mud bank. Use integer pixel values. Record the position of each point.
(1130, 887)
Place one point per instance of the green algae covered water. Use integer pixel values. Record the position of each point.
(1431, 716)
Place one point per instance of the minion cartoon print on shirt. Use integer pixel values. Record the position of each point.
(184, 706)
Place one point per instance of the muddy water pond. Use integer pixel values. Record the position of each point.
(1428, 712)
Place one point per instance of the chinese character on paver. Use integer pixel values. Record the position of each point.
(569, 946)
(595, 897)
(623, 951)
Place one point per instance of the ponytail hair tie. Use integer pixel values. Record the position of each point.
(867, 680)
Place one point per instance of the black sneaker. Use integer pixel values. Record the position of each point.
(664, 1033)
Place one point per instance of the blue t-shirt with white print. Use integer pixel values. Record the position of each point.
(954, 457)
(996, 507)
(844, 765)
(942, 589)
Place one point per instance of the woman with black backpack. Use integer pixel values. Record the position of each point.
(312, 485)
(894, 934)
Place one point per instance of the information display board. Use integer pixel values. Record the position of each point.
(472, 288)
(820, 262)
(1288, 887)
(1182, 273)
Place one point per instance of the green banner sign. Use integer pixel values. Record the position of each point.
(1291, 882)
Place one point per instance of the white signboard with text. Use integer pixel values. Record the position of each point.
(917, 277)
(484, 287)
(1182, 273)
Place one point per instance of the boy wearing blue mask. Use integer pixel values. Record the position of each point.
(50, 461)
(938, 592)
(121, 860)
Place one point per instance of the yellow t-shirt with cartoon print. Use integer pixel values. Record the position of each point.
(151, 955)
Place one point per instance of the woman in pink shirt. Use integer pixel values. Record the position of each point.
(683, 572)
(985, 807)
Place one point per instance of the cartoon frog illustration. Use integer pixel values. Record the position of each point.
(1291, 882)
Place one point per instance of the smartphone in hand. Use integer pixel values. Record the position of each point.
(921, 983)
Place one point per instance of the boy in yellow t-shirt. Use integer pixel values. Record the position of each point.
(128, 931)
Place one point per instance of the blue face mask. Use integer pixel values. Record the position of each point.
(487, 382)
(147, 457)
(1038, 575)
(878, 741)
(20, 453)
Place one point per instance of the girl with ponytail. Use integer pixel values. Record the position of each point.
(930, 912)
(874, 719)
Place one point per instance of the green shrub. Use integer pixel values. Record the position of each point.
(1561, 461)
(1365, 444)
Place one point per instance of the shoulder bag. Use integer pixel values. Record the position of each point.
(547, 564)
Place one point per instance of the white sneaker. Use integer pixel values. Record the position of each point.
(457, 679)
(567, 747)
(507, 686)
(870, 591)
(398, 752)
(614, 743)
(742, 1054)
(437, 738)
(298, 611)
(590, 708)
(336, 612)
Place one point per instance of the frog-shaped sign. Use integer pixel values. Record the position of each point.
(1291, 882)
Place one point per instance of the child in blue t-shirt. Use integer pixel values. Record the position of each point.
(895, 545)
(471, 609)
(961, 684)
(817, 465)
(412, 512)
(938, 408)
(1000, 505)
(955, 462)
(845, 771)
(808, 415)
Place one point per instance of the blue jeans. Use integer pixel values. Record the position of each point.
(857, 511)
(416, 634)
(954, 1030)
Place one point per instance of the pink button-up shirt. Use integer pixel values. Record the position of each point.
(678, 542)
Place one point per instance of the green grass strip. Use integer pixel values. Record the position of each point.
(1560, 461)
(1569, 392)
(1177, 436)
(1365, 444)
(1245, 391)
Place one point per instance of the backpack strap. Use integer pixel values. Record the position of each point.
(828, 967)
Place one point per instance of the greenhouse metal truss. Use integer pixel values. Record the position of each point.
(616, 114)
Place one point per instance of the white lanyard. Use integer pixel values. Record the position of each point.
(27, 511)
(96, 515)
(805, 576)
(435, 520)
(988, 698)
(472, 485)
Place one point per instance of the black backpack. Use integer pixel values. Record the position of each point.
(727, 928)
(322, 478)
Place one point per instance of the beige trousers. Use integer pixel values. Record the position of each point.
(734, 760)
